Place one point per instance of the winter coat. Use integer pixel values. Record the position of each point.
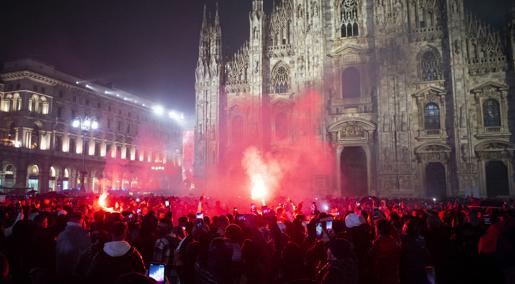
(340, 271)
(117, 258)
(70, 245)
(414, 260)
(384, 260)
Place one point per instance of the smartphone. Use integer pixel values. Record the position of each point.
(240, 218)
(138, 211)
(156, 271)
(329, 225)
(200, 215)
(319, 229)
(167, 203)
(266, 210)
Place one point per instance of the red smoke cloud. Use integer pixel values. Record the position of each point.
(298, 164)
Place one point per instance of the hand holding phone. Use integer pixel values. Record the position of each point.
(156, 271)
(329, 225)
(319, 230)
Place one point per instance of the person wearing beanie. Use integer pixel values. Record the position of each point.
(359, 234)
(352, 220)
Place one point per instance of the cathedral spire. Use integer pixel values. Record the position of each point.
(257, 7)
(203, 49)
(216, 38)
(204, 18)
(217, 18)
(203, 31)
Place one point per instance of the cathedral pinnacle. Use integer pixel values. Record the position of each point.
(257, 5)
(217, 17)
(204, 18)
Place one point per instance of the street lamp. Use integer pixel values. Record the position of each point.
(85, 125)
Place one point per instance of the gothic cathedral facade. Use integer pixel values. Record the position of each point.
(418, 95)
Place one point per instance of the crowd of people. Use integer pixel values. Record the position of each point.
(369, 240)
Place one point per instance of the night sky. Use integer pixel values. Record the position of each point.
(148, 47)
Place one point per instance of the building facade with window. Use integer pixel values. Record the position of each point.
(130, 149)
(416, 94)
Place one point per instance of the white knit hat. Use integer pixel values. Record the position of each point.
(352, 220)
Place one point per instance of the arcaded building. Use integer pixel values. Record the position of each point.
(418, 95)
(129, 148)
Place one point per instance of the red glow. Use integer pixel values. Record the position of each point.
(144, 168)
(102, 203)
(263, 163)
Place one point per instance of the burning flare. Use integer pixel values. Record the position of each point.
(102, 203)
(264, 174)
(258, 188)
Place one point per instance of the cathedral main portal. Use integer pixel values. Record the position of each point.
(353, 167)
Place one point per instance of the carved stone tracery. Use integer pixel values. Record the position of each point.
(433, 153)
(485, 49)
(495, 150)
(351, 130)
(237, 71)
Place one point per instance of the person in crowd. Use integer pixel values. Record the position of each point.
(487, 248)
(98, 239)
(4, 269)
(164, 248)
(70, 245)
(415, 258)
(342, 264)
(385, 255)
(366, 240)
(359, 234)
(147, 236)
(253, 271)
(118, 257)
(505, 253)
(42, 249)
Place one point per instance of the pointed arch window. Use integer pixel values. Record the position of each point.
(431, 116)
(430, 67)
(349, 18)
(280, 79)
(351, 83)
(491, 113)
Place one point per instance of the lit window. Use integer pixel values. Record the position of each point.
(280, 79)
(491, 113)
(431, 116)
(349, 18)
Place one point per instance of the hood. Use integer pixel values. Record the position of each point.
(117, 248)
